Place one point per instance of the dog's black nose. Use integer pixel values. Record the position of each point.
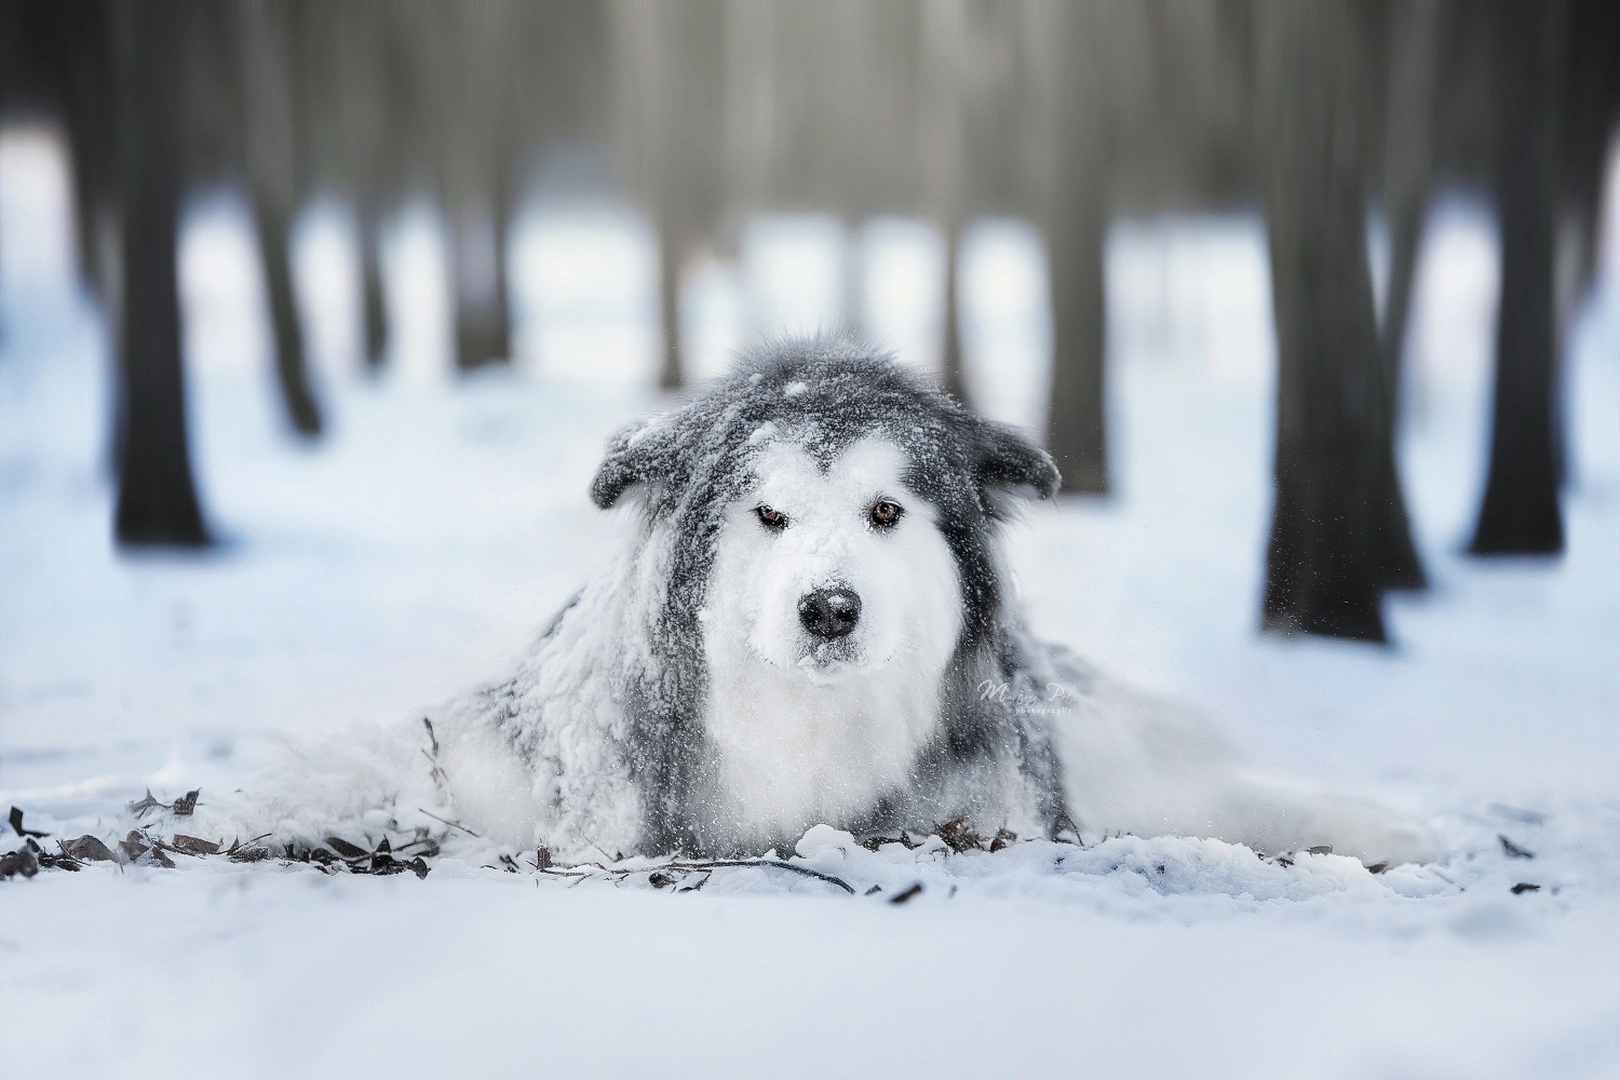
(830, 613)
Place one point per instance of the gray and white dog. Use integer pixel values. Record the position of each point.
(810, 622)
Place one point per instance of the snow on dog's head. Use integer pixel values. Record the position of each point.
(822, 524)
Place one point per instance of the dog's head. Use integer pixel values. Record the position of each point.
(829, 511)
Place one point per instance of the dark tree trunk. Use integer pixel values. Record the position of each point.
(1520, 514)
(1077, 423)
(89, 106)
(1397, 564)
(1333, 470)
(671, 261)
(157, 500)
(275, 244)
(482, 323)
(1414, 42)
(373, 307)
(951, 347)
(271, 83)
(1077, 431)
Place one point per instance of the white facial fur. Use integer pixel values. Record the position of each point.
(808, 733)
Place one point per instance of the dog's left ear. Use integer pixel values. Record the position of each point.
(1009, 464)
(628, 462)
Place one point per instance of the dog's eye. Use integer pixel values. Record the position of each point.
(770, 518)
(884, 513)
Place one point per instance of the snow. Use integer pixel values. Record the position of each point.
(418, 549)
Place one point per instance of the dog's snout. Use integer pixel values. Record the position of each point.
(830, 613)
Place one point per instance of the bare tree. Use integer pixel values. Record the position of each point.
(271, 114)
(1520, 513)
(670, 73)
(1077, 433)
(1321, 572)
(157, 499)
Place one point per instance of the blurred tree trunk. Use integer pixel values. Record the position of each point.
(1414, 46)
(943, 30)
(951, 348)
(1589, 112)
(672, 245)
(157, 499)
(1077, 434)
(1323, 571)
(270, 83)
(472, 62)
(670, 61)
(345, 121)
(1413, 39)
(483, 323)
(374, 310)
(1520, 514)
(89, 107)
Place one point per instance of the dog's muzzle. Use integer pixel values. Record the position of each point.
(830, 613)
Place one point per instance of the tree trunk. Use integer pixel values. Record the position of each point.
(90, 108)
(275, 244)
(1333, 467)
(1077, 431)
(671, 260)
(1520, 514)
(951, 346)
(1397, 563)
(482, 322)
(270, 84)
(1077, 424)
(374, 312)
(157, 500)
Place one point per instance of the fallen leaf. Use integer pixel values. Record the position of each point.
(17, 825)
(906, 894)
(346, 849)
(86, 849)
(1512, 850)
(141, 807)
(192, 845)
(959, 836)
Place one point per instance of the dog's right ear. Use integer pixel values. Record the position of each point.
(628, 462)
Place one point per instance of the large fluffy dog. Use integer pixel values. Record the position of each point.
(810, 622)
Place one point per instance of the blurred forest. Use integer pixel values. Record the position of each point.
(1066, 113)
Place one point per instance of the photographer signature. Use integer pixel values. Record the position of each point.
(1055, 699)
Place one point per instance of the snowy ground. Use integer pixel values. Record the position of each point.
(418, 548)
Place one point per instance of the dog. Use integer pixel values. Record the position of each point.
(810, 622)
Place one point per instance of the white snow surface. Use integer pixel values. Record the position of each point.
(417, 550)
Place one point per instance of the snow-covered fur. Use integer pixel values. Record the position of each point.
(809, 623)
(681, 702)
